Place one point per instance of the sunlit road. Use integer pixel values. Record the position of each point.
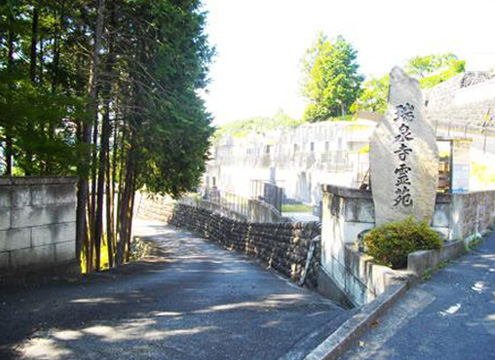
(195, 301)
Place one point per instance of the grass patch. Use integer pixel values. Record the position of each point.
(297, 208)
(427, 274)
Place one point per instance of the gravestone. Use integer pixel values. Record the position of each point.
(403, 156)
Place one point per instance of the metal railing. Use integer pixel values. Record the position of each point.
(268, 193)
(234, 206)
(230, 201)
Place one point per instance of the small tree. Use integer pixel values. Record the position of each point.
(331, 80)
(375, 94)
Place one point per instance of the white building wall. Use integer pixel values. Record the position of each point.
(304, 158)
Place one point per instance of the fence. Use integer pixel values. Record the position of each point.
(228, 200)
(236, 207)
(268, 193)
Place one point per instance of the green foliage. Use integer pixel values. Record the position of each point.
(427, 274)
(434, 69)
(40, 123)
(331, 81)
(482, 174)
(297, 208)
(316, 112)
(364, 150)
(242, 128)
(172, 123)
(390, 244)
(431, 70)
(107, 90)
(159, 56)
(473, 242)
(375, 95)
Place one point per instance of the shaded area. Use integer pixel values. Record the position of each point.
(196, 301)
(451, 316)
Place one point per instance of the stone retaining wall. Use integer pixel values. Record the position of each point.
(253, 211)
(282, 246)
(37, 224)
(464, 100)
(471, 213)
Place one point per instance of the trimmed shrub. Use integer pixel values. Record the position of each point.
(390, 244)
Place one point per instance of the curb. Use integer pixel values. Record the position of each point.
(337, 343)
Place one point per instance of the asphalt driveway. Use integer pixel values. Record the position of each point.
(450, 317)
(197, 301)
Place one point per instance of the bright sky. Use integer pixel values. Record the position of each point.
(260, 44)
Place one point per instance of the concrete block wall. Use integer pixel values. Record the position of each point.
(37, 223)
(471, 213)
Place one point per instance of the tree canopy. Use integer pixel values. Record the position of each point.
(106, 90)
(433, 69)
(331, 80)
(241, 128)
(430, 70)
(375, 94)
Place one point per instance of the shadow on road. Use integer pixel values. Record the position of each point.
(196, 300)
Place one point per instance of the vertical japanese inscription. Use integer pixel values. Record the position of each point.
(404, 115)
(403, 156)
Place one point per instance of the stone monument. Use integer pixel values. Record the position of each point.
(403, 156)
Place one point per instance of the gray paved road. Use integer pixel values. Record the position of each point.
(197, 302)
(449, 317)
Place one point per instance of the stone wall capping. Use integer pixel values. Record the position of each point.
(38, 180)
(419, 261)
(347, 192)
(347, 334)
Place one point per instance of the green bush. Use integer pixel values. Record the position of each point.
(389, 244)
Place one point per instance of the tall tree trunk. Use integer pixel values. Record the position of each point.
(123, 166)
(107, 130)
(102, 165)
(56, 53)
(9, 153)
(109, 208)
(98, 229)
(82, 184)
(124, 205)
(92, 203)
(40, 72)
(90, 248)
(34, 42)
(87, 125)
(32, 68)
(114, 176)
(130, 213)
